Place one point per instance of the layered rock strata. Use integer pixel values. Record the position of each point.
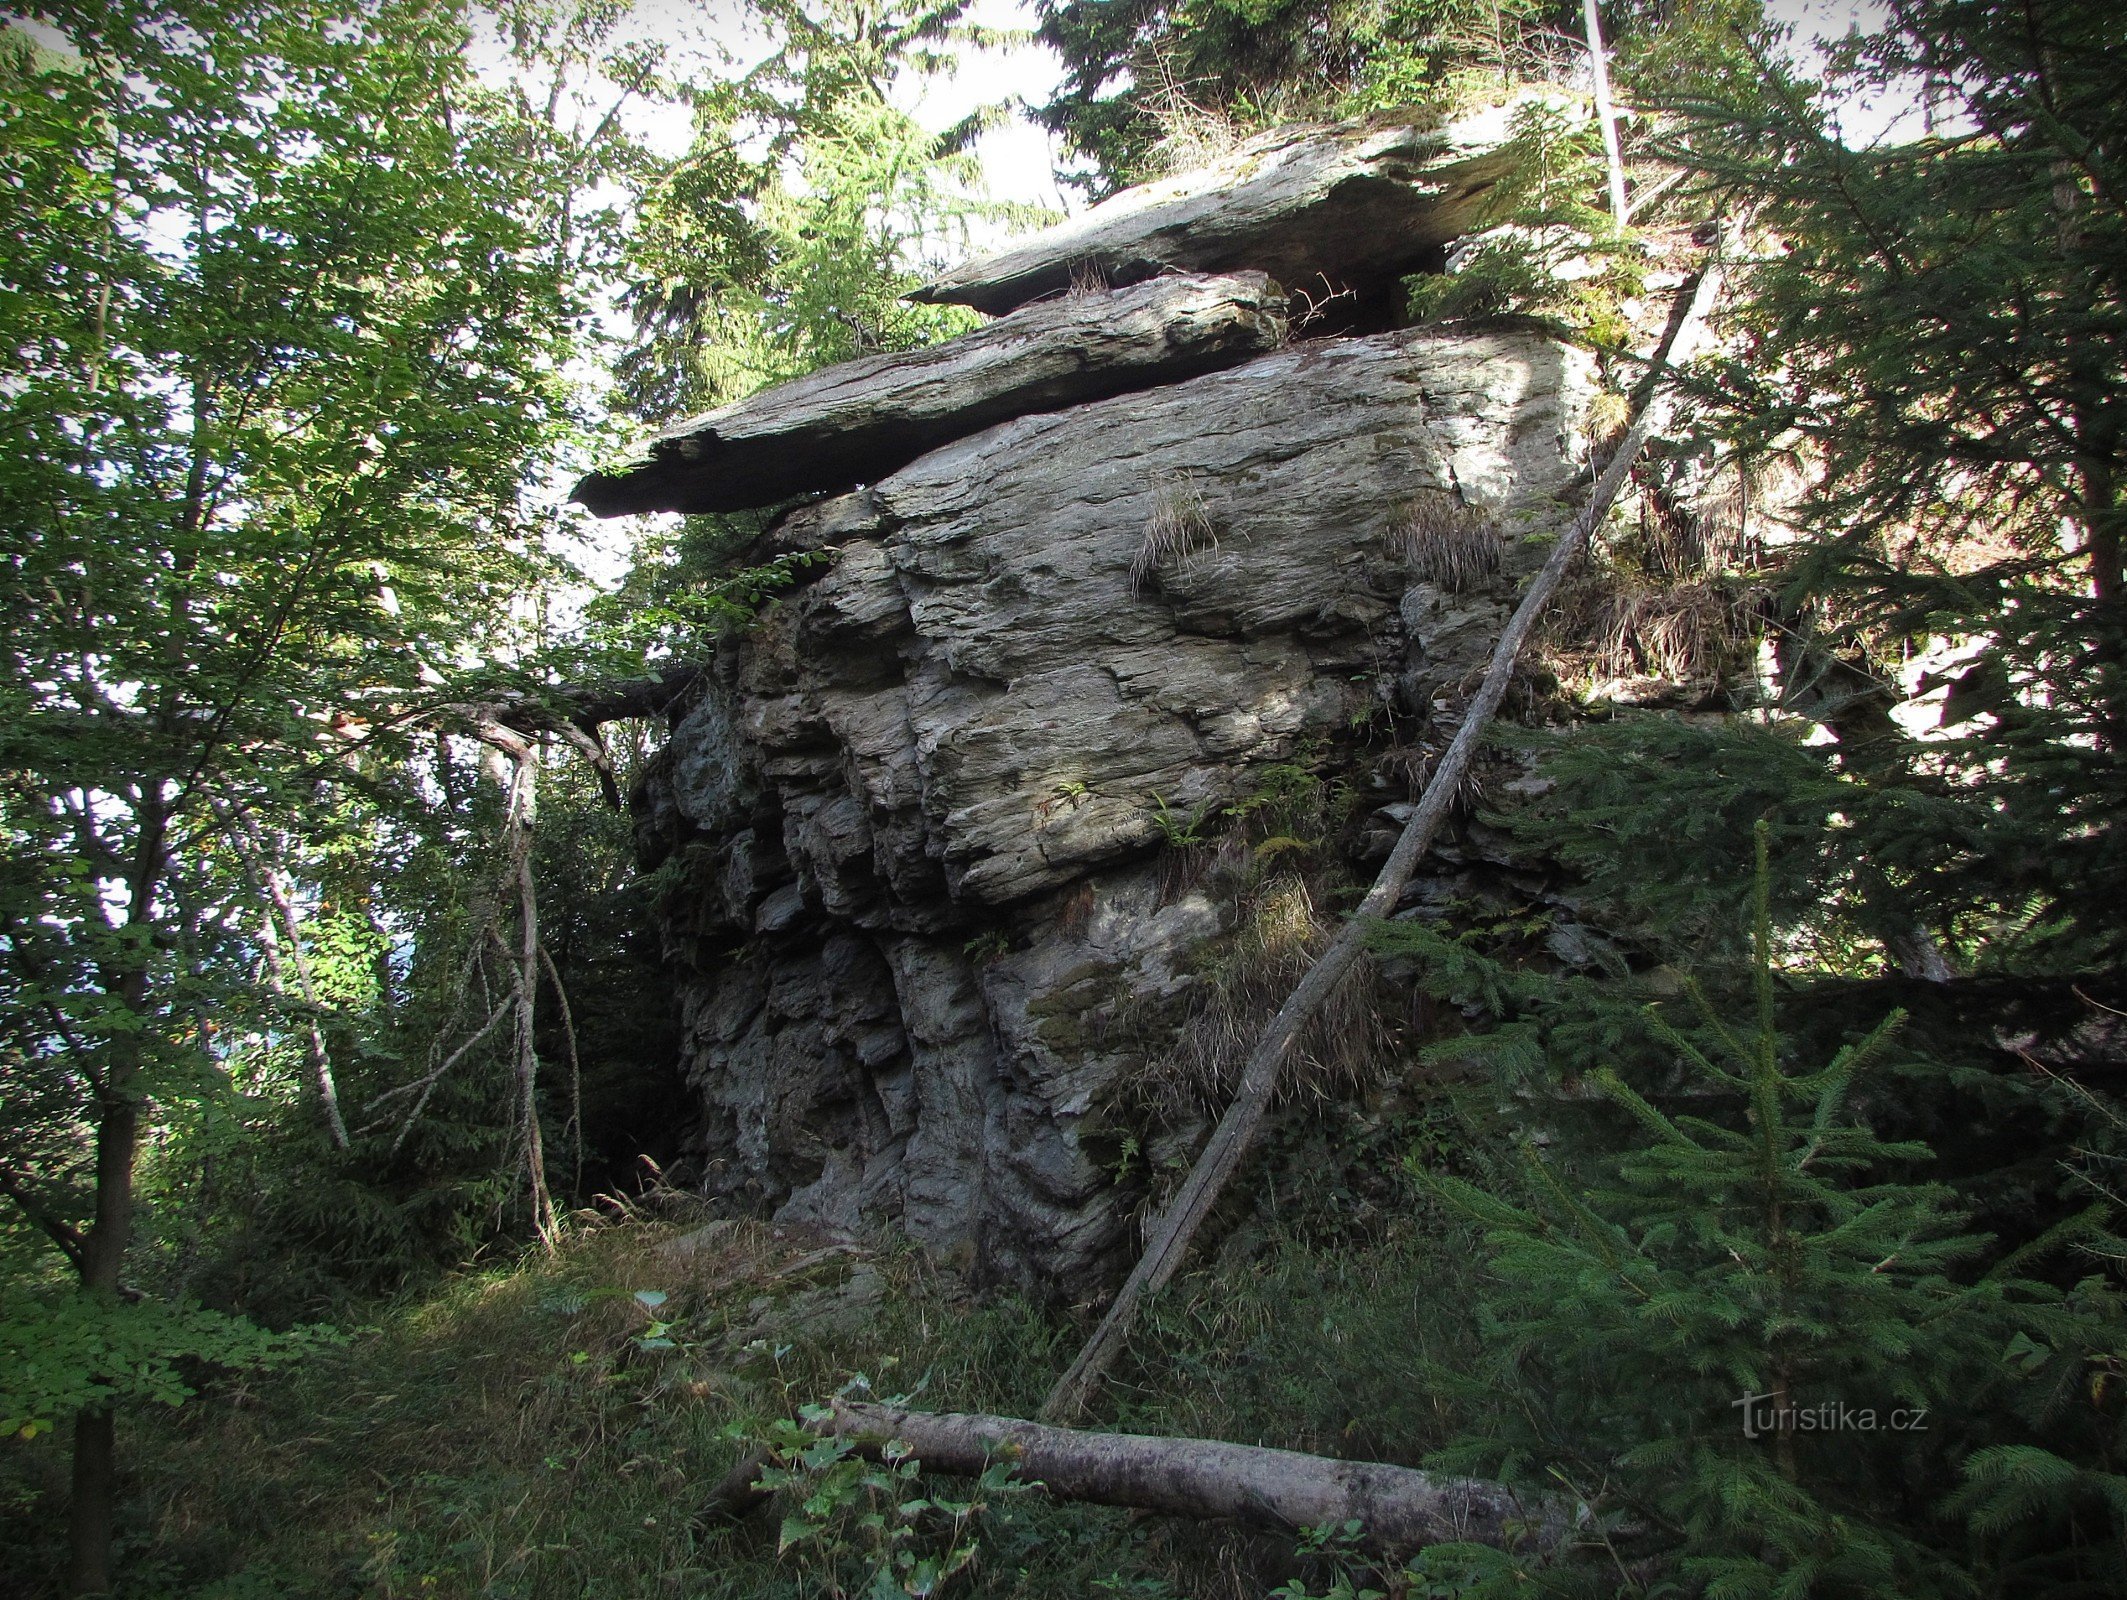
(1099, 568)
(920, 805)
(1322, 208)
(858, 421)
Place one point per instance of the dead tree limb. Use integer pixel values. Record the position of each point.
(245, 838)
(1400, 1508)
(518, 825)
(426, 1086)
(1171, 1235)
(1606, 114)
(568, 1032)
(575, 713)
(579, 714)
(69, 1239)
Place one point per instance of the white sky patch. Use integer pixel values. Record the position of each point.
(1890, 116)
(1019, 159)
(718, 38)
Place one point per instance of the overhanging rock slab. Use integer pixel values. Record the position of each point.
(1355, 203)
(973, 721)
(859, 421)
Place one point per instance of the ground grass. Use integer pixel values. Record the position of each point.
(549, 1427)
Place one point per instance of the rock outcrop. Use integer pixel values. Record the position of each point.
(925, 795)
(1338, 207)
(857, 422)
(917, 816)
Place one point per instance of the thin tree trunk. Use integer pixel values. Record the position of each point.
(1606, 114)
(522, 816)
(313, 1036)
(1170, 1237)
(95, 1495)
(103, 1247)
(251, 849)
(574, 1131)
(1400, 1508)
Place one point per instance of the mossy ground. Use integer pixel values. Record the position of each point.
(510, 1434)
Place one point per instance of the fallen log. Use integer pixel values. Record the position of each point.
(1399, 1509)
(1171, 1234)
(861, 420)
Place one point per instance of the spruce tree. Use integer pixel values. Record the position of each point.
(1932, 333)
(1765, 1348)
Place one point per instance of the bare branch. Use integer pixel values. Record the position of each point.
(568, 1028)
(70, 1239)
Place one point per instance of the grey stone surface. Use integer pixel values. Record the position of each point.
(709, 767)
(1352, 202)
(858, 421)
(926, 788)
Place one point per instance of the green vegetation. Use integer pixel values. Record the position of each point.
(1776, 1073)
(553, 1426)
(295, 301)
(1677, 1334)
(276, 404)
(1150, 84)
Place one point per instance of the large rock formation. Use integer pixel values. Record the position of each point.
(975, 721)
(1345, 206)
(860, 420)
(917, 814)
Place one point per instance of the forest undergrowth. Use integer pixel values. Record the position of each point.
(552, 1424)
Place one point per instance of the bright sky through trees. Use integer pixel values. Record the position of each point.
(710, 38)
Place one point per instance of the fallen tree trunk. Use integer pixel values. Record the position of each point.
(1400, 1508)
(1169, 1241)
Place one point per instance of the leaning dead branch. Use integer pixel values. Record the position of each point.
(425, 1085)
(574, 1130)
(1400, 1508)
(519, 819)
(1172, 1233)
(279, 921)
(512, 758)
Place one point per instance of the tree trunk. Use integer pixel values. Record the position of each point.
(281, 916)
(103, 1247)
(95, 1473)
(95, 1484)
(1400, 1508)
(1170, 1238)
(1606, 114)
(523, 810)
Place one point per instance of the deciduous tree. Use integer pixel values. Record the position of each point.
(287, 317)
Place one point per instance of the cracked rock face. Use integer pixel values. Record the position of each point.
(918, 809)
